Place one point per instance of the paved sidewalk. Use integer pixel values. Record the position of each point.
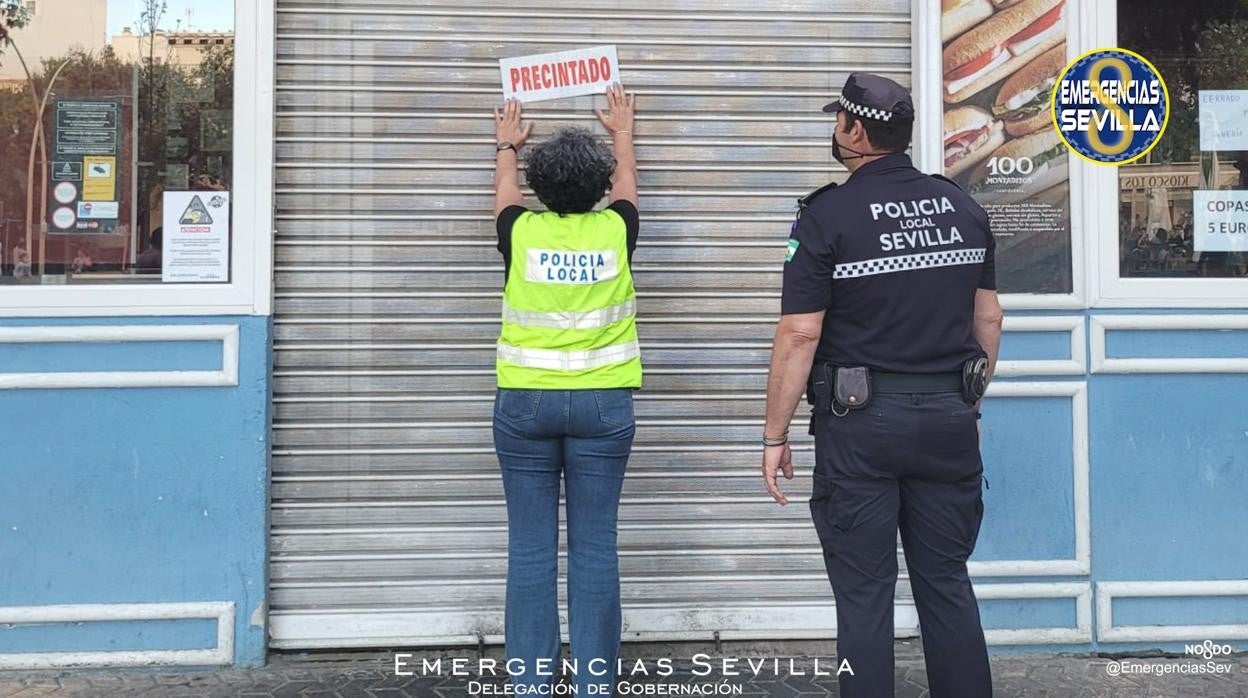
(372, 675)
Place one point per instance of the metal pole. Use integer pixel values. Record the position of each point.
(37, 140)
(134, 167)
(30, 168)
(43, 150)
(4, 235)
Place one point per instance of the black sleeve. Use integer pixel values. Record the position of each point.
(808, 269)
(632, 221)
(988, 275)
(503, 225)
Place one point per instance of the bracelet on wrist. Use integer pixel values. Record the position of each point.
(778, 441)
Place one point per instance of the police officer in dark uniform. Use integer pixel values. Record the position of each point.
(890, 323)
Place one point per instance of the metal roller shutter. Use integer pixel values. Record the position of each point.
(388, 523)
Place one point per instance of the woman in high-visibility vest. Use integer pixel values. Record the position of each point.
(568, 362)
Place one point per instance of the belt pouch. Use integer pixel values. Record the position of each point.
(851, 389)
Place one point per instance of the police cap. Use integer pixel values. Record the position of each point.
(873, 97)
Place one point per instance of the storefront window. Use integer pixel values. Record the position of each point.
(1000, 62)
(116, 141)
(1178, 206)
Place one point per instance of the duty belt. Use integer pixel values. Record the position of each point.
(882, 382)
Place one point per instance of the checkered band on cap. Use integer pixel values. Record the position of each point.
(865, 112)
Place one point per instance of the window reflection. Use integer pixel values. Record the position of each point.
(1197, 46)
(105, 107)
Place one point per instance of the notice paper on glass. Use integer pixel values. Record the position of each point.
(1220, 221)
(196, 245)
(1223, 120)
(587, 71)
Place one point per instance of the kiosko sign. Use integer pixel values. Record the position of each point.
(564, 74)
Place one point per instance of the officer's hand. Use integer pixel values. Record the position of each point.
(619, 114)
(507, 126)
(777, 458)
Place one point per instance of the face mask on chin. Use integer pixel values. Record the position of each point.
(838, 151)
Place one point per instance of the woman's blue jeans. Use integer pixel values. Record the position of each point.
(585, 436)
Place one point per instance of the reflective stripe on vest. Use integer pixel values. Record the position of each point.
(568, 360)
(570, 320)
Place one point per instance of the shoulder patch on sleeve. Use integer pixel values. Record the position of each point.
(805, 200)
(794, 243)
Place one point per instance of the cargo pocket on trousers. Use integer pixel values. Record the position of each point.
(832, 507)
(838, 508)
(820, 491)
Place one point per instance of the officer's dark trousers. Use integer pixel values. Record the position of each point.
(908, 461)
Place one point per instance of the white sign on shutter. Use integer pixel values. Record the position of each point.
(545, 76)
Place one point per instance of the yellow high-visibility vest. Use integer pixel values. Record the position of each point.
(569, 307)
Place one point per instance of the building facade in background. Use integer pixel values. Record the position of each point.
(55, 28)
(186, 49)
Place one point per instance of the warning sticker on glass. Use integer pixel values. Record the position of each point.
(196, 237)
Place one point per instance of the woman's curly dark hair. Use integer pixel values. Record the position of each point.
(571, 171)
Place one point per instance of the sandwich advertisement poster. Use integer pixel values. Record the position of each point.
(1001, 59)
